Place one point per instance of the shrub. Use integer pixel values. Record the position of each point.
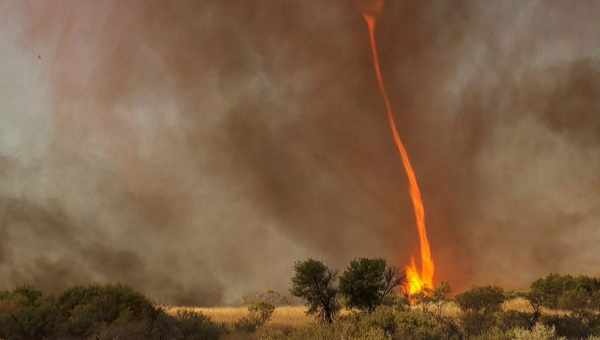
(492, 334)
(274, 334)
(163, 326)
(539, 332)
(570, 326)
(261, 311)
(475, 323)
(382, 324)
(566, 292)
(315, 283)
(271, 297)
(579, 295)
(514, 319)
(258, 315)
(417, 325)
(312, 331)
(26, 314)
(435, 298)
(480, 306)
(86, 308)
(341, 330)
(98, 313)
(183, 326)
(369, 333)
(481, 299)
(385, 323)
(25, 296)
(197, 326)
(129, 330)
(383, 318)
(399, 303)
(366, 283)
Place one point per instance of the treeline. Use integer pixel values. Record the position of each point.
(361, 303)
(558, 306)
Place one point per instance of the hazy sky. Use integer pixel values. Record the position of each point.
(196, 149)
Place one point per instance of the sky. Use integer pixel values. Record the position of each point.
(195, 150)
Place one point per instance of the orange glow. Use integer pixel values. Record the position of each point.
(416, 281)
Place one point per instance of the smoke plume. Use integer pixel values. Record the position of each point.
(196, 149)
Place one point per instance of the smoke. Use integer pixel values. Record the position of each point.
(195, 150)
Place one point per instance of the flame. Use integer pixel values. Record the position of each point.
(416, 281)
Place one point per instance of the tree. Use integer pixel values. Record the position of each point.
(366, 283)
(315, 283)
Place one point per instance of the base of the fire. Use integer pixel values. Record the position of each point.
(361, 303)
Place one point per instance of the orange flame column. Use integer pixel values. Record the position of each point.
(416, 282)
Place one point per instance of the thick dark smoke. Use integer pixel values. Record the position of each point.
(195, 149)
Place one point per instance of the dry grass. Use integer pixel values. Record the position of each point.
(295, 316)
(217, 314)
(451, 309)
(290, 316)
(518, 304)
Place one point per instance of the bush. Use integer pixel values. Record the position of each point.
(129, 330)
(480, 307)
(539, 332)
(492, 334)
(86, 308)
(183, 326)
(435, 298)
(383, 318)
(340, 330)
(481, 299)
(26, 314)
(570, 326)
(96, 312)
(422, 325)
(261, 311)
(258, 315)
(384, 323)
(366, 283)
(399, 303)
(475, 323)
(271, 297)
(514, 319)
(566, 292)
(315, 283)
(197, 326)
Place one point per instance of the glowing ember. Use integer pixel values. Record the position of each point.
(416, 281)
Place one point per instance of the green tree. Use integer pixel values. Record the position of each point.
(314, 282)
(367, 283)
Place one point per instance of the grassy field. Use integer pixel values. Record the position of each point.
(289, 316)
(294, 316)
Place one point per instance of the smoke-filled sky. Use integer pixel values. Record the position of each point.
(196, 149)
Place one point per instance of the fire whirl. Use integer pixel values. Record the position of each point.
(416, 281)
